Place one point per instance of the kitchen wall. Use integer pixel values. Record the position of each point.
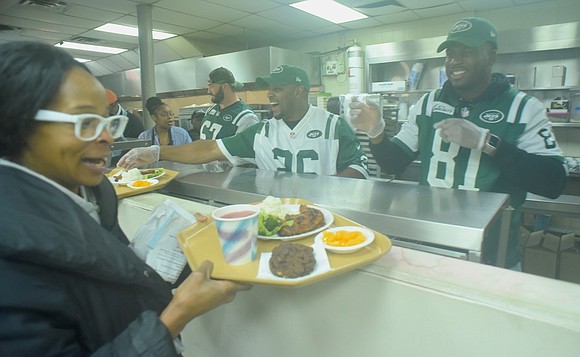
(517, 17)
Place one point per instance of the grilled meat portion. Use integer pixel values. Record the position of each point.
(308, 219)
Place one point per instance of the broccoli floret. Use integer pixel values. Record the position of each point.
(268, 224)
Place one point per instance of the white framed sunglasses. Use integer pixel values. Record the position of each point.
(87, 126)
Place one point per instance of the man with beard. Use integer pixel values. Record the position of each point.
(229, 115)
(300, 138)
(475, 133)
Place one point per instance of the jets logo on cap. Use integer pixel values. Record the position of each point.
(278, 69)
(461, 26)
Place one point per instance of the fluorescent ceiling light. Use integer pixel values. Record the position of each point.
(92, 48)
(329, 10)
(132, 31)
(82, 60)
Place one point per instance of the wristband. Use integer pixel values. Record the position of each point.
(491, 145)
(482, 139)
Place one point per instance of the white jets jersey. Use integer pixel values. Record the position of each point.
(321, 143)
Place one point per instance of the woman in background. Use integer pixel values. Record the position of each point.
(71, 286)
(164, 132)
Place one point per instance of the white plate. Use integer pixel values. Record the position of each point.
(369, 235)
(153, 182)
(116, 183)
(158, 176)
(295, 209)
(112, 178)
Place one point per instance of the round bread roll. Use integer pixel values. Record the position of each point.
(292, 260)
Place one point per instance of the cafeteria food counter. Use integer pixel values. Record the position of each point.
(407, 303)
(446, 222)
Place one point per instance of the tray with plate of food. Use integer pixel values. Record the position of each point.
(138, 181)
(200, 242)
(284, 221)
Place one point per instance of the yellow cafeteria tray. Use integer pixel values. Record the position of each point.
(200, 242)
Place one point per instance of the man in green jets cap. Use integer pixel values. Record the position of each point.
(478, 132)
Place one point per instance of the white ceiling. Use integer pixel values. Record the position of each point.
(231, 24)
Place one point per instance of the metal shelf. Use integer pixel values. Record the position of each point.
(549, 88)
(565, 125)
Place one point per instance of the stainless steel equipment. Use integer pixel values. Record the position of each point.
(444, 221)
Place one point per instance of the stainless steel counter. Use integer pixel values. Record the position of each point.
(445, 221)
(565, 205)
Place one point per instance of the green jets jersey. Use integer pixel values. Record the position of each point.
(515, 117)
(321, 143)
(221, 123)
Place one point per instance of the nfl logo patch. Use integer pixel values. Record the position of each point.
(464, 112)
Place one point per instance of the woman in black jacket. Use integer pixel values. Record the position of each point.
(70, 284)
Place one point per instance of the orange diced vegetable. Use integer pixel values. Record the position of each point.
(343, 238)
(141, 183)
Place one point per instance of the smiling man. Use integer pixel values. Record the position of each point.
(476, 133)
(300, 138)
(229, 115)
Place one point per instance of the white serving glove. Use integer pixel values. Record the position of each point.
(366, 117)
(462, 132)
(139, 157)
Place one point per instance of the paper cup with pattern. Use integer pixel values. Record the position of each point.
(237, 227)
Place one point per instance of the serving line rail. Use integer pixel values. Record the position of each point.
(443, 221)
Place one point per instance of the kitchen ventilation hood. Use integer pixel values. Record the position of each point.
(190, 74)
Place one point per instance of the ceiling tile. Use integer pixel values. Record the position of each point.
(383, 10)
(53, 18)
(210, 11)
(300, 34)
(227, 29)
(439, 11)
(478, 5)
(6, 4)
(171, 18)
(294, 17)
(398, 17)
(203, 35)
(91, 13)
(423, 4)
(261, 24)
(526, 2)
(285, 2)
(252, 6)
(330, 28)
(40, 26)
(363, 23)
(118, 6)
(112, 38)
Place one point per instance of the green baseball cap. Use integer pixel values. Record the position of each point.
(223, 75)
(285, 74)
(471, 32)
